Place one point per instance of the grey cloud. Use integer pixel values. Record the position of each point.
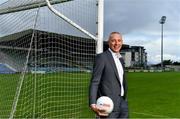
(129, 15)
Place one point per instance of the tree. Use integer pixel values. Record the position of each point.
(176, 63)
(167, 62)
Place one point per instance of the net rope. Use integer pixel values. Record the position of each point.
(49, 57)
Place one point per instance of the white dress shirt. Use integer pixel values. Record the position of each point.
(119, 67)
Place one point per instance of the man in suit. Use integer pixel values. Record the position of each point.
(108, 79)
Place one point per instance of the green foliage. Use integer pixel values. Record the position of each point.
(176, 63)
(167, 62)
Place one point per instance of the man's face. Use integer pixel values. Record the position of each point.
(115, 42)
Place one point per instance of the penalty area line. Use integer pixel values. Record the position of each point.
(153, 115)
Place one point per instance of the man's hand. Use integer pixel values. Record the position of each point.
(98, 110)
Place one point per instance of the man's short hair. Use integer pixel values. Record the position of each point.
(112, 33)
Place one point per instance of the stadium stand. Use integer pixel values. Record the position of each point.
(5, 69)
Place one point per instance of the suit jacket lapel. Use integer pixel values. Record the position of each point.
(124, 81)
(111, 60)
(122, 62)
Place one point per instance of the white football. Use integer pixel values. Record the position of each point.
(106, 103)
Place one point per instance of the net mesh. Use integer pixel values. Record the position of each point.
(45, 63)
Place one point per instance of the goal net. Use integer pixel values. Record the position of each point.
(45, 62)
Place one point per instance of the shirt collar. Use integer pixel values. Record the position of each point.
(114, 54)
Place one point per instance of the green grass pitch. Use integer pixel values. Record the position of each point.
(150, 95)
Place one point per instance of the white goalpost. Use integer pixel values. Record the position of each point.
(51, 46)
(100, 32)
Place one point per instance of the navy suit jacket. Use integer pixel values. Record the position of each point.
(105, 80)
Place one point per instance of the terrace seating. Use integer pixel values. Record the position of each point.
(4, 69)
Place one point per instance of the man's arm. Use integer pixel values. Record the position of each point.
(95, 79)
(94, 85)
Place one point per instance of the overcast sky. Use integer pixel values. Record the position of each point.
(3, 1)
(138, 21)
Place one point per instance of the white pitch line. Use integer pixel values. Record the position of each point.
(162, 116)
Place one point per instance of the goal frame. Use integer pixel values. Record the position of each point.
(98, 38)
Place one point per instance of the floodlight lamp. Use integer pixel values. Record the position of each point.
(162, 20)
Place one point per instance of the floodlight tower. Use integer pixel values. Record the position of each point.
(162, 21)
